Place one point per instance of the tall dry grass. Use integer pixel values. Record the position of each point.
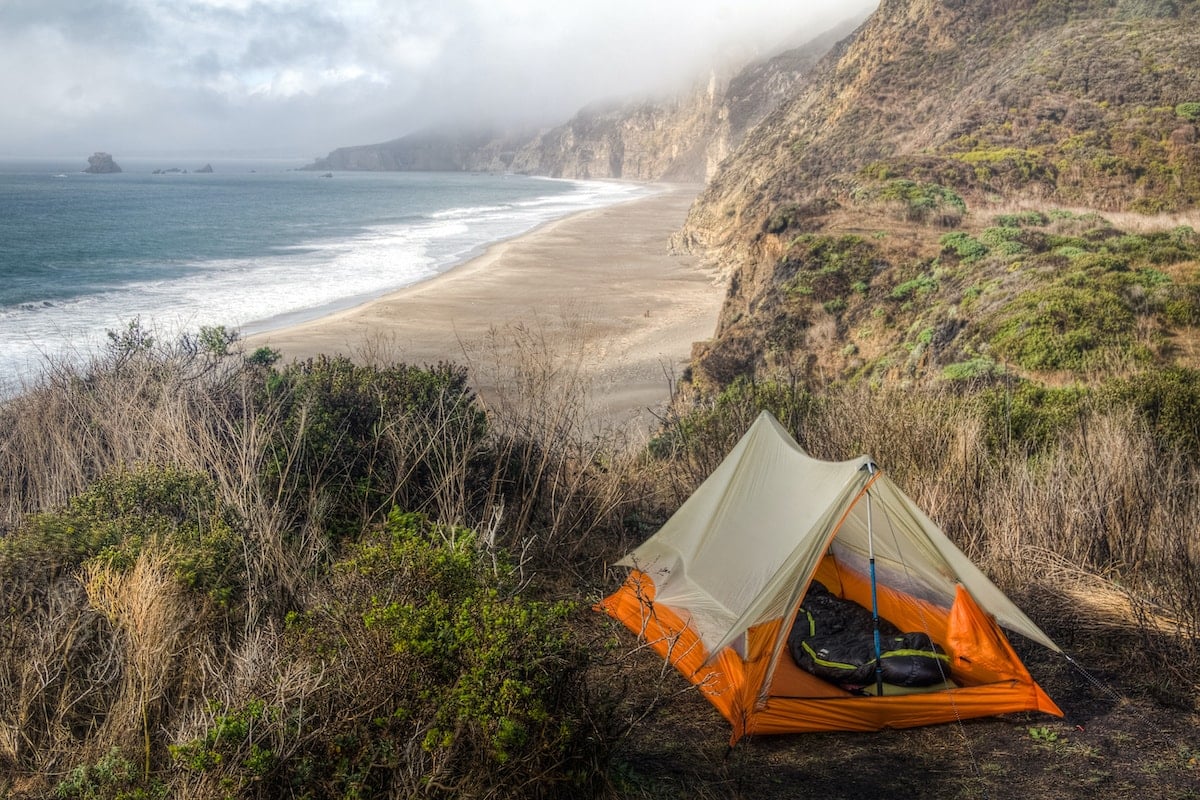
(111, 657)
(1094, 531)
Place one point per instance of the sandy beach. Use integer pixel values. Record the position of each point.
(597, 297)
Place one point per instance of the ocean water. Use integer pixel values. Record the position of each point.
(251, 246)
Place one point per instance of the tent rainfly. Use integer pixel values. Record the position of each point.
(716, 591)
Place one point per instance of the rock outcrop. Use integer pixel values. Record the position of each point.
(101, 164)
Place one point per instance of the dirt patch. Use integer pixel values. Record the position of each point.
(1112, 740)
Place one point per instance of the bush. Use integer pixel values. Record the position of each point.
(827, 268)
(973, 369)
(113, 777)
(1023, 219)
(370, 436)
(704, 435)
(439, 680)
(126, 511)
(966, 247)
(1028, 417)
(918, 286)
(999, 236)
(1062, 327)
(1189, 111)
(1169, 400)
(919, 202)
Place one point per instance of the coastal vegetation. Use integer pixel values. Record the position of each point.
(227, 577)
(976, 260)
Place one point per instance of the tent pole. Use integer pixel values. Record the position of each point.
(874, 594)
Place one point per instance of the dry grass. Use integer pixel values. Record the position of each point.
(116, 657)
(1092, 535)
(1127, 221)
(154, 625)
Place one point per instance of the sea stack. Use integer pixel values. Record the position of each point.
(101, 164)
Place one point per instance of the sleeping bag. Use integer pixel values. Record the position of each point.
(834, 639)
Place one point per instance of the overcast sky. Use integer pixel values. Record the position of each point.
(298, 78)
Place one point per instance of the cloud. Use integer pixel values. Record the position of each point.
(305, 76)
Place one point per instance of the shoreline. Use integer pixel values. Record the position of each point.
(596, 296)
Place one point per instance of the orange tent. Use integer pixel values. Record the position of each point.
(712, 590)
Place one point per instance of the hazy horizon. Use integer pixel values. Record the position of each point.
(299, 78)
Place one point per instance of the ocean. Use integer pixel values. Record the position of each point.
(253, 245)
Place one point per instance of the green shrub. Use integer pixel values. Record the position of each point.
(1094, 264)
(1011, 249)
(919, 202)
(1069, 251)
(1159, 248)
(1028, 416)
(123, 512)
(1189, 111)
(966, 247)
(438, 673)
(919, 286)
(1061, 327)
(113, 777)
(997, 236)
(1182, 305)
(263, 357)
(339, 425)
(1023, 219)
(234, 746)
(972, 369)
(827, 267)
(1168, 399)
(706, 433)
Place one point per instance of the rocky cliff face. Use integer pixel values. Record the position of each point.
(681, 138)
(830, 217)
(1067, 99)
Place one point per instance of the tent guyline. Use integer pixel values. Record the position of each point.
(747, 588)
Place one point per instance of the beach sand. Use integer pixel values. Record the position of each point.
(596, 298)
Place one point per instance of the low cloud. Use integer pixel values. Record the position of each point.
(300, 77)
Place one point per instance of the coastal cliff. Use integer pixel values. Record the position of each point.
(678, 138)
(867, 224)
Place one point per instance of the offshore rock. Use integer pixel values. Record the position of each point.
(101, 164)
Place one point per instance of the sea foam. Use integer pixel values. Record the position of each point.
(298, 277)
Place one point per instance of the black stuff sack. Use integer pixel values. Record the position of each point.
(834, 639)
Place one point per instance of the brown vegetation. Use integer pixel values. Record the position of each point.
(213, 600)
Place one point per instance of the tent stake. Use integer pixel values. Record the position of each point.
(874, 594)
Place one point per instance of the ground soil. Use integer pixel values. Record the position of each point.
(1116, 739)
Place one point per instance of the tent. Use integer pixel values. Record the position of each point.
(715, 592)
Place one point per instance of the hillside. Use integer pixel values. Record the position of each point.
(964, 242)
(679, 138)
(875, 224)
